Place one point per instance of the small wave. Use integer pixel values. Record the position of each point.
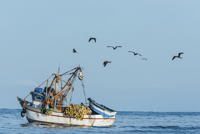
(163, 127)
(160, 127)
(124, 126)
(172, 127)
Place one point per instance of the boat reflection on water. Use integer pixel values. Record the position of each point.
(51, 126)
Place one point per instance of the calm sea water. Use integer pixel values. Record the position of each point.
(125, 122)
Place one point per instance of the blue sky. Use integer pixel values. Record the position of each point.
(35, 36)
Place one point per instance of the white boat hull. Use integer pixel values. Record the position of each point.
(35, 115)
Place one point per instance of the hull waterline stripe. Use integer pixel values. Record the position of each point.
(72, 117)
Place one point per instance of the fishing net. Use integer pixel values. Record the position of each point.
(77, 111)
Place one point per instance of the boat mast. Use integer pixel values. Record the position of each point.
(56, 84)
(56, 87)
(47, 89)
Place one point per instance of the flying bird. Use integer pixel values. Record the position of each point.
(179, 54)
(92, 39)
(135, 53)
(114, 47)
(105, 63)
(144, 59)
(74, 51)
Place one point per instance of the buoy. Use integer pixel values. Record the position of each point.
(81, 76)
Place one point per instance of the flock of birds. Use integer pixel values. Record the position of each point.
(106, 62)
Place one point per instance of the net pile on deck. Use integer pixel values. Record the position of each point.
(78, 111)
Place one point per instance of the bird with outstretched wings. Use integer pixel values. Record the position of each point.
(179, 54)
(135, 53)
(92, 39)
(144, 59)
(114, 47)
(106, 62)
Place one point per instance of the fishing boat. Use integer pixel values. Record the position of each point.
(53, 106)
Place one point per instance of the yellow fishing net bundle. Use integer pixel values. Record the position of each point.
(77, 110)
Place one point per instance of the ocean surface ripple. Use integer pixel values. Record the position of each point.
(125, 122)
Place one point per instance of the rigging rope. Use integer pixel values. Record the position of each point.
(74, 79)
(71, 97)
(67, 72)
(72, 82)
(84, 91)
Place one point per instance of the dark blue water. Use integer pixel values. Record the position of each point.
(125, 122)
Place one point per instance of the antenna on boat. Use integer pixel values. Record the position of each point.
(59, 68)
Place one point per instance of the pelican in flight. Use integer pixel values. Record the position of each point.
(179, 54)
(144, 59)
(114, 47)
(106, 62)
(74, 51)
(92, 39)
(135, 53)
